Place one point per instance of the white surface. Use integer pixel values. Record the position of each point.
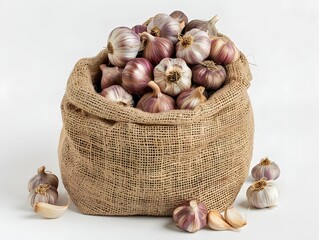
(40, 41)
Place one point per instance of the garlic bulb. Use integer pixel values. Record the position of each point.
(116, 93)
(194, 46)
(263, 194)
(139, 29)
(206, 26)
(180, 17)
(223, 51)
(162, 25)
(266, 169)
(156, 48)
(43, 178)
(209, 75)
(123, 45)
(156, 101)
(191, 216)
(173, 76)
(110, 76)
(217, 222)
(136, 75)
(43, 193)
(233, 217)
(191, 98)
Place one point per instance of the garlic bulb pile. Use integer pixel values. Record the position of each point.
(178, 55)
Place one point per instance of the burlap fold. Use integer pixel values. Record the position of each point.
(118, 160)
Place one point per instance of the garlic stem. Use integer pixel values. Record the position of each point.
(156, 90)
(265, 161)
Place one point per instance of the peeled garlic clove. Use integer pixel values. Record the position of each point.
(156, 101)
(263, 194)
(180, 17)
(233, 217)
(191, 216)
(191, 98)
(110, 76)
(206, 26)
(173, 75)
(116, 93)
(43, 193)
(266, 169)
(43, 177)
(50, 211)
(193, 46)
(217, 222)
(223, 51)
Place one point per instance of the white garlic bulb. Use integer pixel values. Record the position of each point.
(263, 194)
(266, 169)
(173, 75)
(117, 93)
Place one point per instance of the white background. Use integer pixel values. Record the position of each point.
(40, 41)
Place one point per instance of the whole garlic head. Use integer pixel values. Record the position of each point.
(43, 177)
(191, 216)
(266, 169)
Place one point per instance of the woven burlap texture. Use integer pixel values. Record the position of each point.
(118, 160)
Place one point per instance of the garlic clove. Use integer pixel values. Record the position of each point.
(216, 221)
(110, 76)
(43, 193)
(266, 169)
(191, 98)
(191, 216)
(50, 211)
(233, 217)
(116, 93)
(43, 177)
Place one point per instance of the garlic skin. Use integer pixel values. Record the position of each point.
(206, 26)
(191, 98)
(194, 46)
(43, 193)
(156, 48)
(217, 222)
(139, 29)
(180, 17)
(209, 75)
(233, 217)
(136, 75)
(117, 93)
(266, 169)
(223, 51)
(191, 216)
(110, 76)
(263, 194)
(156, 101)
(123, 45)
(163, 25)
(173, 75)
(43, 177)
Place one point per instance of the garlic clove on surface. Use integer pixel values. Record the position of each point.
(156, 101)
(180, 17)
(191, 98)
(263, 194)
(116, 93)
(191, 216)
(206, 26)
(50, 211)
(233, 217)
(43, 177)
(223, 51)
(216, 221)
(110, 76)
(173, 75)
(43, 193)
(266, 169)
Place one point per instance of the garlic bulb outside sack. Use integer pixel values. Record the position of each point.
(156, 48)
(43, 178)
(156, 101)
(163, 25)
(180, 17)
(110, 76)
(209, 75)
(173, 75)
(43, 193)
(223, 51)
(194, 46)
(136, 75)
(123, 45)
(116, 93)
(263, 194)
(191, 98)
(191, 216)
(206, 26)
(266, 169)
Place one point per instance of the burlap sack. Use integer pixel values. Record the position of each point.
(117, 160)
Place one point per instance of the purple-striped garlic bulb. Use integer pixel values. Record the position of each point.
(191, 98)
